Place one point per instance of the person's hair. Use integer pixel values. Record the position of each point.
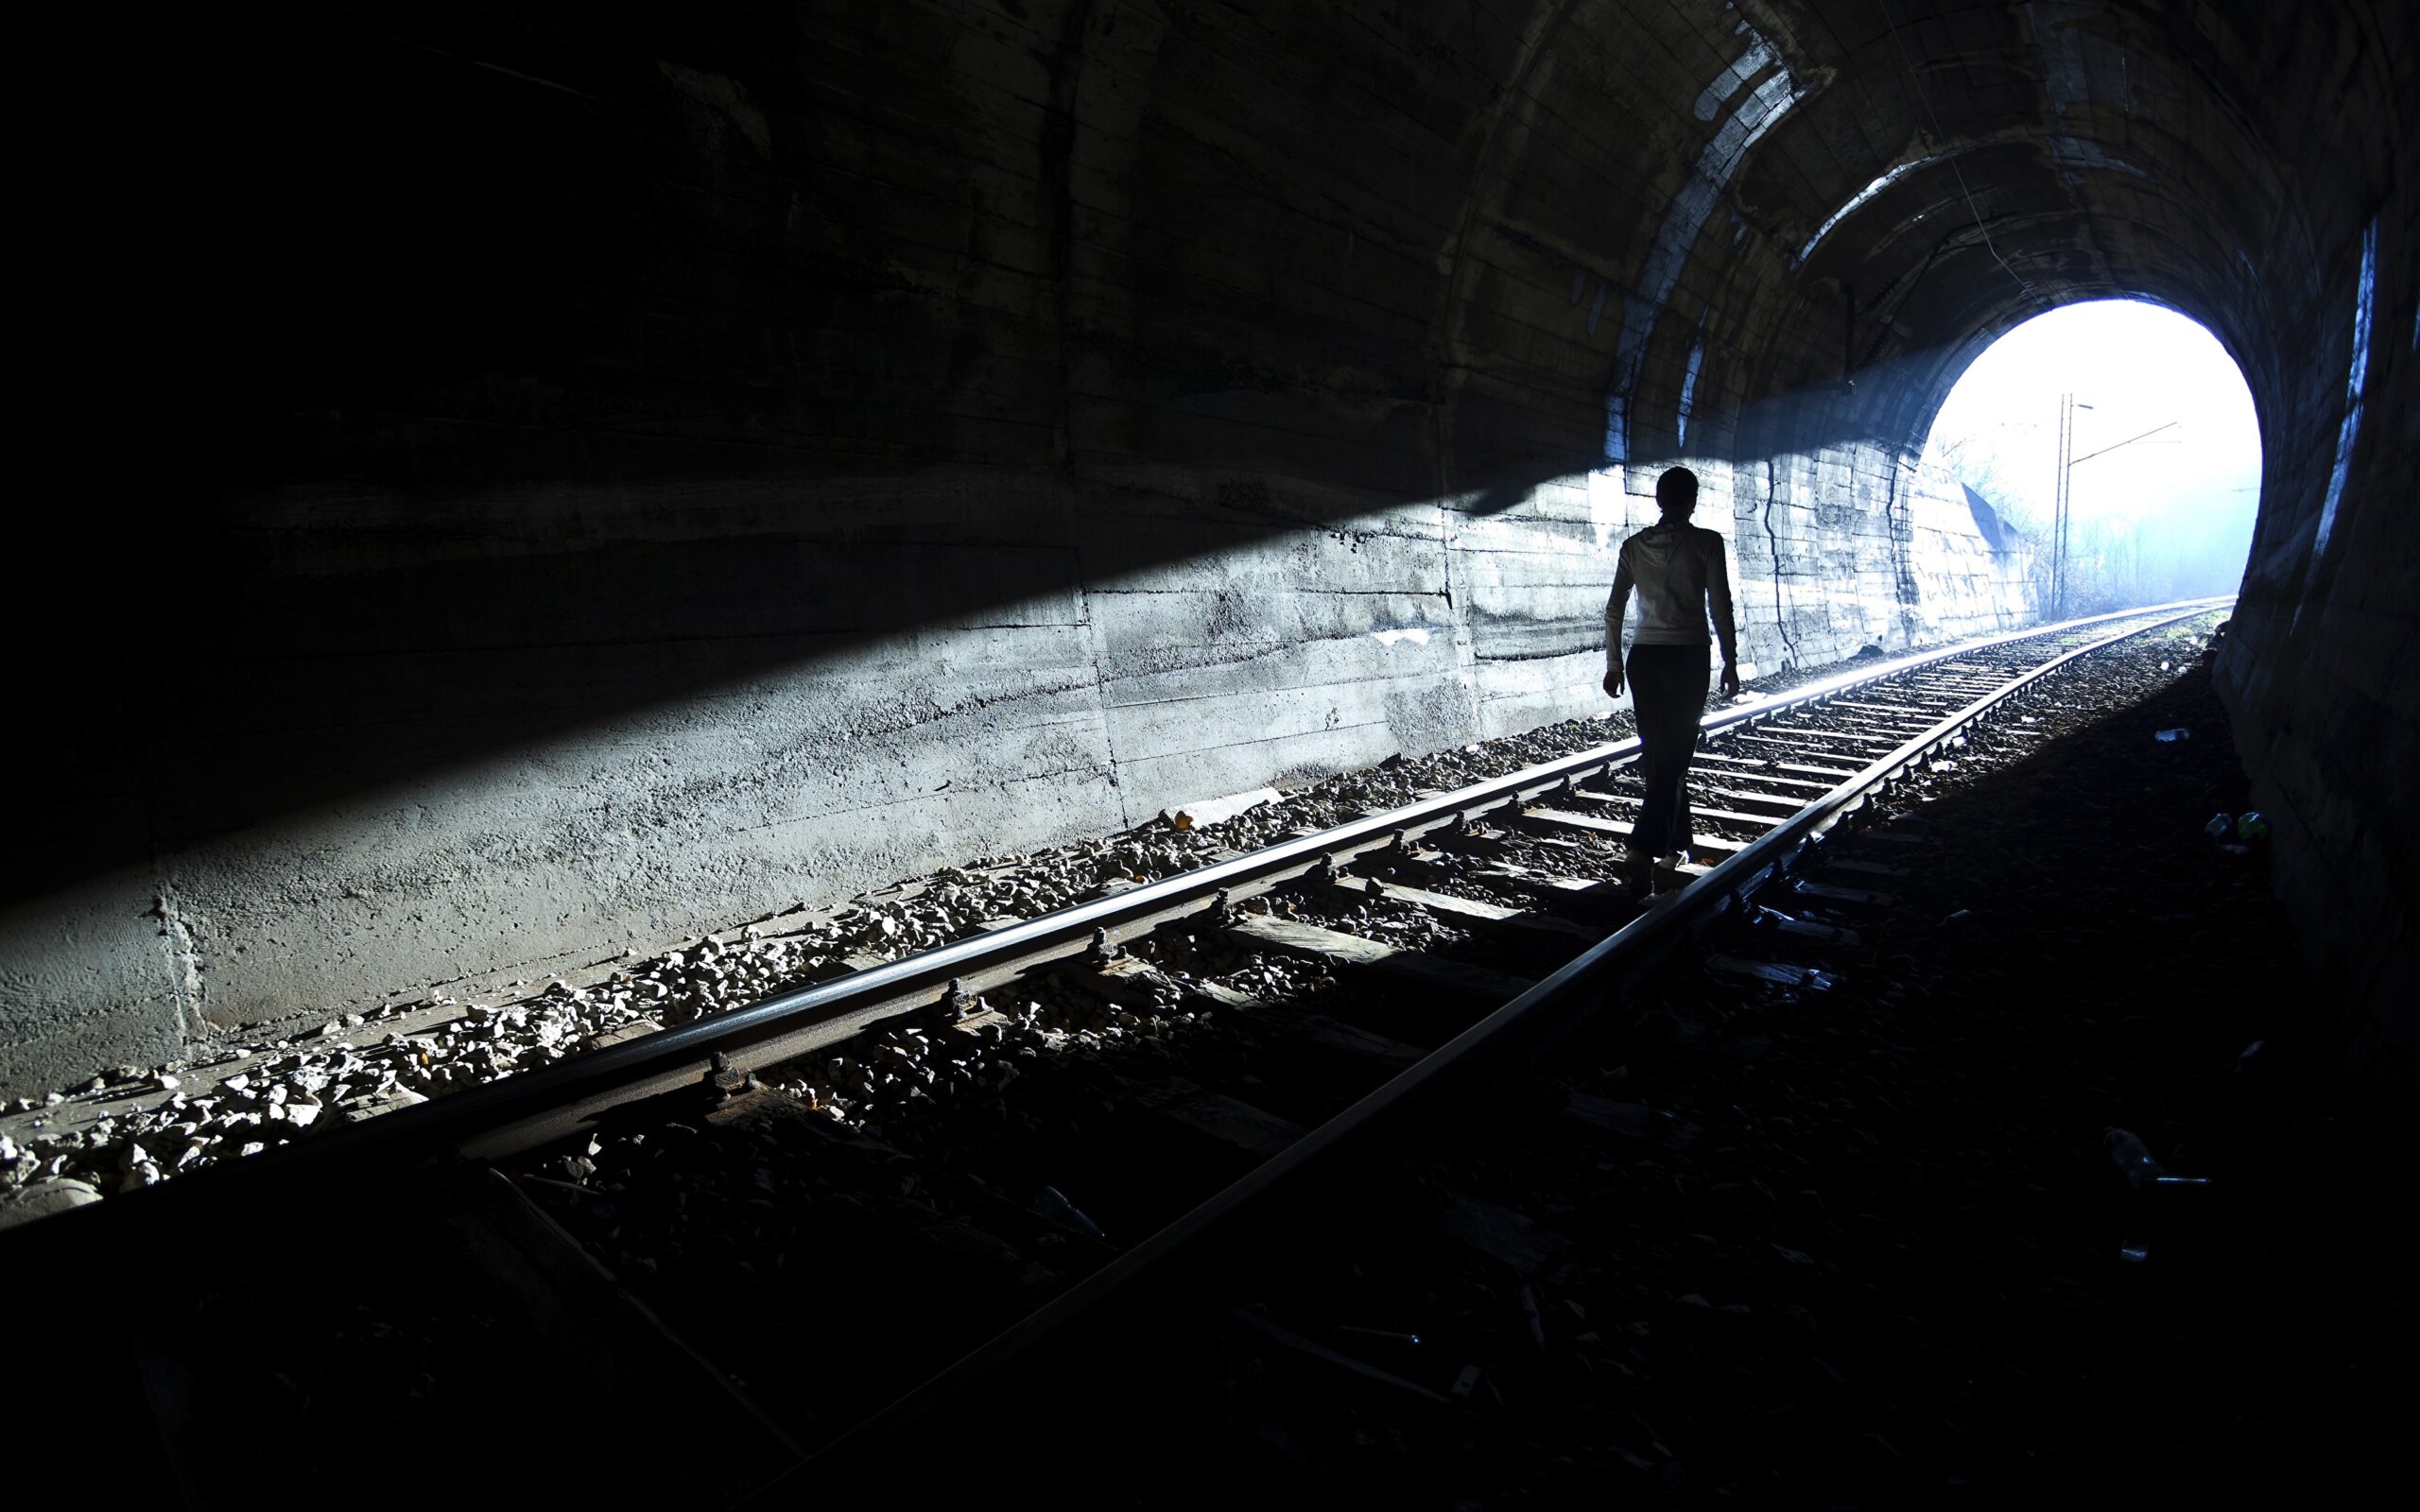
(1676, 490)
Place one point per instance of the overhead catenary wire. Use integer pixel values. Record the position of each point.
(1925, 100)
(2128, 441)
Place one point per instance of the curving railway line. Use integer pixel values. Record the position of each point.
(679, 1225)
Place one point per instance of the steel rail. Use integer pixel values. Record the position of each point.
(1616, 961)
(516, 1111)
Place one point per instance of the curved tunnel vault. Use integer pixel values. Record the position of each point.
(1881, 195)
(653, 468)
(1882, 190)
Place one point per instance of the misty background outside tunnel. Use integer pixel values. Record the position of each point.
(2163, 464)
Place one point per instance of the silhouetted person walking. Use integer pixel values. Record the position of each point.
(1678, 571)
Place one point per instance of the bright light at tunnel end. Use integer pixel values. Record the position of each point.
(2164, 467)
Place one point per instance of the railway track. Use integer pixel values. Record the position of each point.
(653, 1213)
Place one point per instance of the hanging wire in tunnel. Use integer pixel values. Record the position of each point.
(1923, 97)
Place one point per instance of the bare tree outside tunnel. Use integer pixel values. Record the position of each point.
(2163, 466)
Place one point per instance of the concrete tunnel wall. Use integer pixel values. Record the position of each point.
(627, 475)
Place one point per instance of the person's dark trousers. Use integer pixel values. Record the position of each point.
(1668, 691)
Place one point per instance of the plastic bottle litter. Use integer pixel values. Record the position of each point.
(2219, 826)
(2134, 1163)
(1053, 1204)
(2133, 1160)
(2250, 825)
(1387, 1337)
(2180, 732)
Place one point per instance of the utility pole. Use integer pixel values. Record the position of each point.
(2059, 508)
(2067, 460)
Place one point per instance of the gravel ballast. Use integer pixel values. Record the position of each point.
(1866, 1246)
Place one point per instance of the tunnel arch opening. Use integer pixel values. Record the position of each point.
(2120, 440)
(1062, 335)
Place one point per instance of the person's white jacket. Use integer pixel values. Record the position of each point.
(1678, 572)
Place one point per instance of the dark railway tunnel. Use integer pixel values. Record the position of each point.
(589, 477)
(643, 468)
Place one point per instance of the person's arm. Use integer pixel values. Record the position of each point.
(1616, 608)
(1717, 593)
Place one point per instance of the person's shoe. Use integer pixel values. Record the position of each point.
(1666, 876)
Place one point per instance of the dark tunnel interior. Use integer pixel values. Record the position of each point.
(586, 436)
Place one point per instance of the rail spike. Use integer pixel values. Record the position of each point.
(725, 1078)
